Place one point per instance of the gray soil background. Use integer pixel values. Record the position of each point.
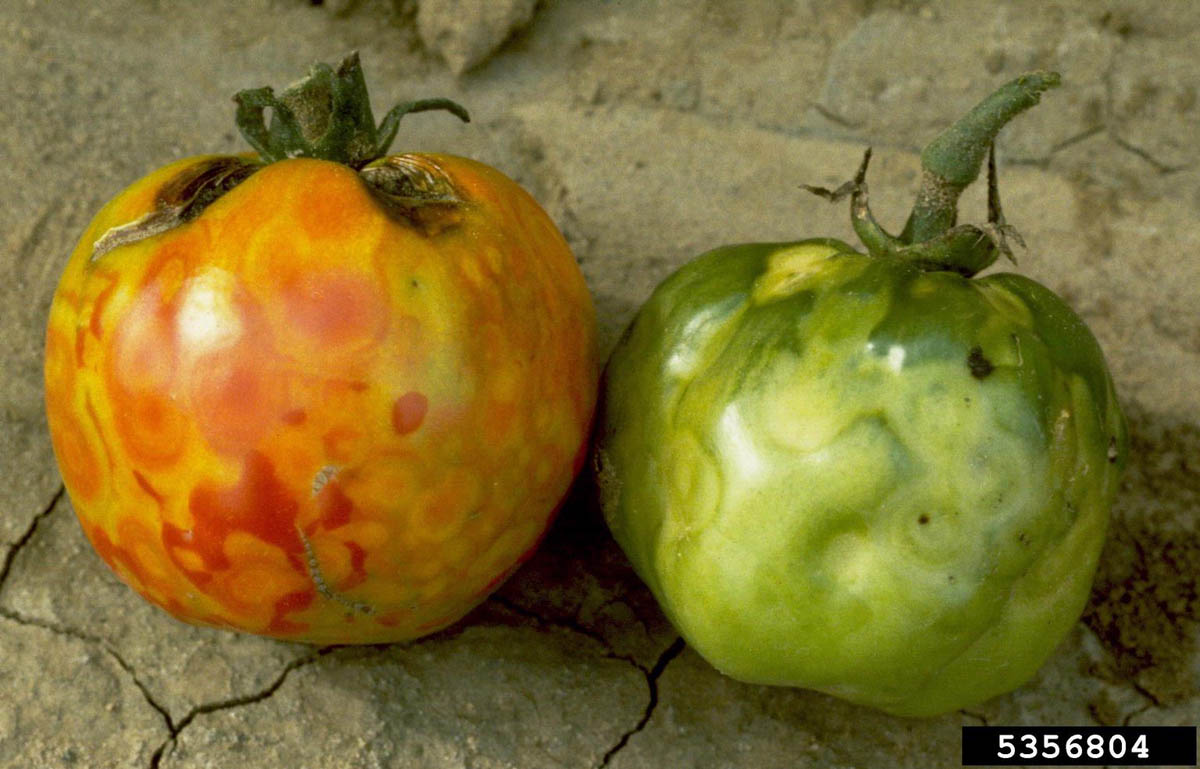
(650, 131)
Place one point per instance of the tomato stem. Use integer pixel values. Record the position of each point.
(952, 160)
(965, 249)
(932, 239)
(327, 115)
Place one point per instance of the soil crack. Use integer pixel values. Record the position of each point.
(1134, 714)
(1077, 138)
(566, 624)
(981, 718)
(162, 710)
(103, 645)
(1158, 165)
(234, 702)
(1111, 127)
(652, 676)
(27, 535)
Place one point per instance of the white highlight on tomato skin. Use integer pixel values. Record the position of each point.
(207, 318)
(895, 356)
(744, 455)
(685, 357)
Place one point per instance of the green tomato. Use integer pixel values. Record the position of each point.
(848, 474)
(857, 474)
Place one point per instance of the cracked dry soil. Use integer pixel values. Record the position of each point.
(650, 130)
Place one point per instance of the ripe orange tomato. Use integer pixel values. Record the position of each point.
(320, 402)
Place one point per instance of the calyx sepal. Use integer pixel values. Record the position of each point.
(327, 115)
(932, 238)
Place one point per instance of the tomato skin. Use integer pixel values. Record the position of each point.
(844, 473)
(299, 416)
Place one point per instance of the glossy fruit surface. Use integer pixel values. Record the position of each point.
(869, 474)
(309, 413)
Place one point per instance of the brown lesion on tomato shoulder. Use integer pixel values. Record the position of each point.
(414, 191)
(978, 364)
(180, 200)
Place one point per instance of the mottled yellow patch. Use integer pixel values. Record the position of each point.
(794, 268)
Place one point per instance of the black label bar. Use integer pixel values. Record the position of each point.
(1079, 746)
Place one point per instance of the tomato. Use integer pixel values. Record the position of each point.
(869, 474)
(320, 401)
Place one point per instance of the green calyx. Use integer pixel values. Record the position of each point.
(932, 239)
(327, 115)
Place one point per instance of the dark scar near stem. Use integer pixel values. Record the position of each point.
(180, 200)
(412, 193)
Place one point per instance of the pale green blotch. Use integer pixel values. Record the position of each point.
(795, 267)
